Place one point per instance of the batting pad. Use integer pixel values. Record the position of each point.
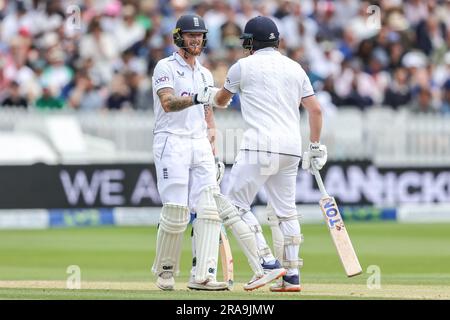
(277, 234)
(241, 231)
(285, 247)
(172, 224)
(292, 241)
(207, 234)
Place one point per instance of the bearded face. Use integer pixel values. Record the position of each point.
(193, 42)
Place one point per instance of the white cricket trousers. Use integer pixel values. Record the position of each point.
(184, 167)
(277, 173)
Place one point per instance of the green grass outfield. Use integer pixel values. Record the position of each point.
(414, 260)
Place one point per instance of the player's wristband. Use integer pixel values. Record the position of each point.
(194, 99)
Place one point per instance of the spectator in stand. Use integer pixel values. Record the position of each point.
(14, 98)
(120, 97)
(129, 62)
(398, 93)
(57, 74)
(246, 12)
(380, 77)
(328, 87)
(422, 103)
(48, 100)
(230, 30)
(214, 19)
(347, 46)
(415, 11)
(431, 35)
(128, 31)
(155, 55)
(101, 48)
(396, 52)
(142, 48)
(12, 23)
(445, 107)
(85, 96)
(141, 91)
(354, 87)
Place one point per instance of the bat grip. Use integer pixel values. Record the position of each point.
(319, 181)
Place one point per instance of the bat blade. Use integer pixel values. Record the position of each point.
(226, 258)
(340, 236)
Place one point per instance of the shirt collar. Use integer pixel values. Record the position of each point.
(181, 61)
(265, 51)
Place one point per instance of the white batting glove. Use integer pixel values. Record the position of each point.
(315, 158)
(220, 170)
(206, 96)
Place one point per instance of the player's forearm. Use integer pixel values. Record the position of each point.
(315, 125)
(312, 106)
(211, 124)
(222, 98)
(209, 118)
(170, 103)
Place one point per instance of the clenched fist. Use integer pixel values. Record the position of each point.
(206, 96)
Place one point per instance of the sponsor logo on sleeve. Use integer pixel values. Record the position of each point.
(161, 80)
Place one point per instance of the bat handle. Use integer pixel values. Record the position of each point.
(319, 181)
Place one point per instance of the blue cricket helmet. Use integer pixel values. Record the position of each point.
(261, 30)
(189, 23)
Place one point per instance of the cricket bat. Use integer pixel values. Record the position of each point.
(226, 258)
(338, 231)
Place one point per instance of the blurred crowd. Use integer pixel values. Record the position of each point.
(100, 55)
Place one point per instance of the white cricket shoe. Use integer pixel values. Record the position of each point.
(208, 285)
(166, 280)
(271, 272)
(287, 284)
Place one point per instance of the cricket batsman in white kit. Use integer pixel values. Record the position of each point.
(186, 170)
(184, 160)
(272, 88)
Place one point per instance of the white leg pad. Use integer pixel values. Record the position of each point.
(172, 224)
(292, 244)
(277, 234)
(241, 231)
(250, 219)
(282, 243)
(292, 241)
(207, 234)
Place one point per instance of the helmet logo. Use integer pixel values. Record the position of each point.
(196, 22)
(272, 36)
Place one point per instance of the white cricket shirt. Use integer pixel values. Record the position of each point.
(271, 87)
(173, 72)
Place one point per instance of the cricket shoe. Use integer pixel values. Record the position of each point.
(271, 272)
(287, 284)
(208, 285)
(166, 280)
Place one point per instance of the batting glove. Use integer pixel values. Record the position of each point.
(315, 158)
(206, 96)
(220, 170)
